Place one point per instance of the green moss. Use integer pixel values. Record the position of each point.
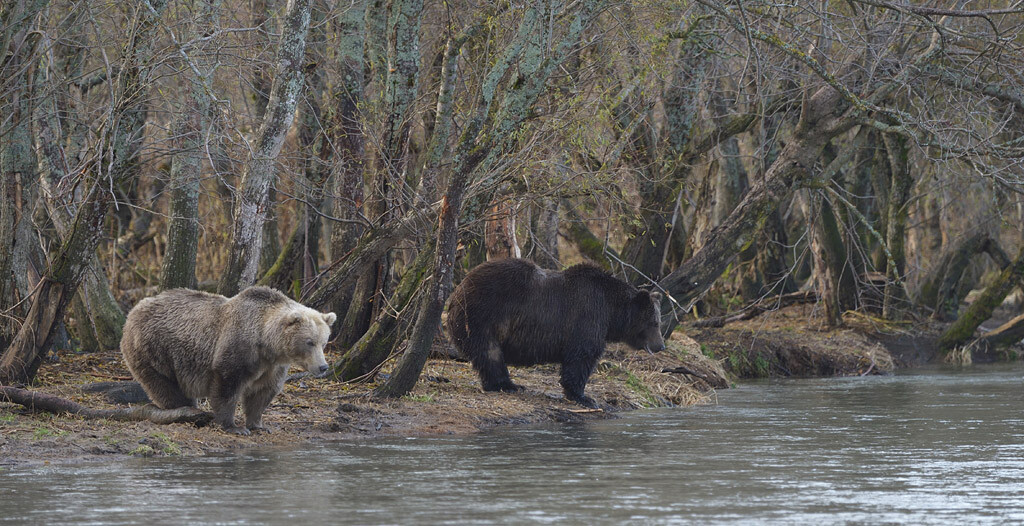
(142, 451)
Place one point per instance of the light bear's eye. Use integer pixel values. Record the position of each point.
(309, 342)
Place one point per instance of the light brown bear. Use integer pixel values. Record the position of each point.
(182, 345)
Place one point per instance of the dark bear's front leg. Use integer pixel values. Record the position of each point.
(577, 367)
(259, 395)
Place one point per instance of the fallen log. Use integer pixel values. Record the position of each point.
(760, 307)
(41, 402)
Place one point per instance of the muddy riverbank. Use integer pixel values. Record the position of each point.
(448, 399)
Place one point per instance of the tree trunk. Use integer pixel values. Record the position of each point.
(386, 331)
(895, 298)
(260, 172)
(500, 232)
(342, 116)
(939, 290)
(401, 83)
(18, 171)
(544, 234)
(833, 274)
(178, 268)
(963, 328)
(589, 246)
(822, 120)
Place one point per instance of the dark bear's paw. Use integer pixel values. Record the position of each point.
(235, 430)
(583, 400)
(511, 388)
(505, 387)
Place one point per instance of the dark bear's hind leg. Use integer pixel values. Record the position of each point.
(490, 365)
(576, 370)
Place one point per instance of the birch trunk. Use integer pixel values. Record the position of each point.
(260, 171)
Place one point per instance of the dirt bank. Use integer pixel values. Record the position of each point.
(447, 400)
(794, 342)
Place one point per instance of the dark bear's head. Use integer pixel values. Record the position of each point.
(644, 331)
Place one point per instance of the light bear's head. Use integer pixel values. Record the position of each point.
(302, 335)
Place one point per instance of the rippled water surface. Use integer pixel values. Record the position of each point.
(938, 446)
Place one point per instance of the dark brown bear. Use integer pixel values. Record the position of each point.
(512, 312)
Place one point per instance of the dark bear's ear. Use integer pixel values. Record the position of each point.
(656, 296)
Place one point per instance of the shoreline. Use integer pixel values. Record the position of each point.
(447, 400)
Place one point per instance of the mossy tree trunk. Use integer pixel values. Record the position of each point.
(387, 330)
(576, 231)
(963, 328)
(18, 171)
(400, 80)
(260, 171)
(343, 121)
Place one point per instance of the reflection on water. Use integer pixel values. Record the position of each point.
(935, 446)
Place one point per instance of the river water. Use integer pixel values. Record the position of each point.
(935, 446)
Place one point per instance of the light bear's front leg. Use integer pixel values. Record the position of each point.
(226, 391)
(260, 393)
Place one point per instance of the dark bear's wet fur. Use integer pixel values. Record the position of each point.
(512, 312)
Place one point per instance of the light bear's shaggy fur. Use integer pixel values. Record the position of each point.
(182, 345)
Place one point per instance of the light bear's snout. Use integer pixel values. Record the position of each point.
(314, 362)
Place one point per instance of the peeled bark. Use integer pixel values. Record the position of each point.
(963, 328)
(500, 232)
(259, 172)
(544, 234)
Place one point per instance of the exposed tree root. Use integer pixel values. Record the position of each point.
(42, 402)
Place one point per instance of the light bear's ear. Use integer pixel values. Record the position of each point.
(330, 318)
(294, 318)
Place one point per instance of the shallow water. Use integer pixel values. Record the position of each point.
(935, 446)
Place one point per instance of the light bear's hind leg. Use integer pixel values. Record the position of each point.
(163, 391)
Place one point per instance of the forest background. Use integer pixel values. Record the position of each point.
(362, 155)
